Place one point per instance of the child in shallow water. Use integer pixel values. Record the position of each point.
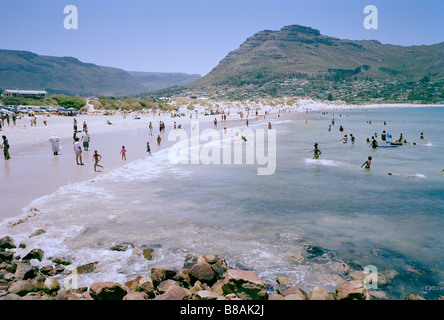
(316, 151)
(367, 163)
(123, 153)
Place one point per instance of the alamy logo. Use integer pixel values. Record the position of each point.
(230, 146)
(371, 21)
(371, 280)
(72, 19)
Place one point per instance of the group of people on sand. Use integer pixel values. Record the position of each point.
(77, 146)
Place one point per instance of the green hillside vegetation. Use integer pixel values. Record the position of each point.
(130, 104)
(67, 75)
(299, 61)
(302, 52)
(54, 100)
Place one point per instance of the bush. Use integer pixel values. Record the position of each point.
(69, 102)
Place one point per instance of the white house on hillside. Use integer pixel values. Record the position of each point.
(24, 94)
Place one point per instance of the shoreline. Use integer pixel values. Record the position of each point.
(33, 162)
(140, 133)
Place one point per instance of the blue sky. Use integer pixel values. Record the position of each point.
(192, 36)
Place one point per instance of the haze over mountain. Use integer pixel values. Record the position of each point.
(298, 51)
(154, 81)
(67, 75)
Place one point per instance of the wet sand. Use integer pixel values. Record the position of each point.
(34, 171)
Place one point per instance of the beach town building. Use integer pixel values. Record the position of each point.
(24, 94)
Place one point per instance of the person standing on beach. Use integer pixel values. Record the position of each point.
(148, 148)
(6, 148)
(86, 139)
(159, 139)
(74, 124)
(367, 163)
(123, 153)
(96, 158)
(151, 128)
(78, 151)
(269, 125)
(55, 144)
(215, 122)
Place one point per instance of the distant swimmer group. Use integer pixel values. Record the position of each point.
(373, 143)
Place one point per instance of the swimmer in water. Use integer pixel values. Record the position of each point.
(373, 144)
(406, 175)
(367, 163)
(352, 138)
(316, 151)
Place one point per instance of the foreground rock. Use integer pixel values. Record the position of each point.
(244, 284)
(352, 290)
(107, 291)
(205, 277)
(7, 243)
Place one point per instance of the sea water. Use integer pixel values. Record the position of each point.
(327, 210)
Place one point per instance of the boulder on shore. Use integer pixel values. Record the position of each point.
(203, 272)
(7, 243)
(244, 284)
(175, 293)
(34, 254)
(318, 293)
(107, 291)
(21, 287)
(352, 290)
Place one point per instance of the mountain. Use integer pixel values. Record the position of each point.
(153, 81)
(67, 75)
(302, 52)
